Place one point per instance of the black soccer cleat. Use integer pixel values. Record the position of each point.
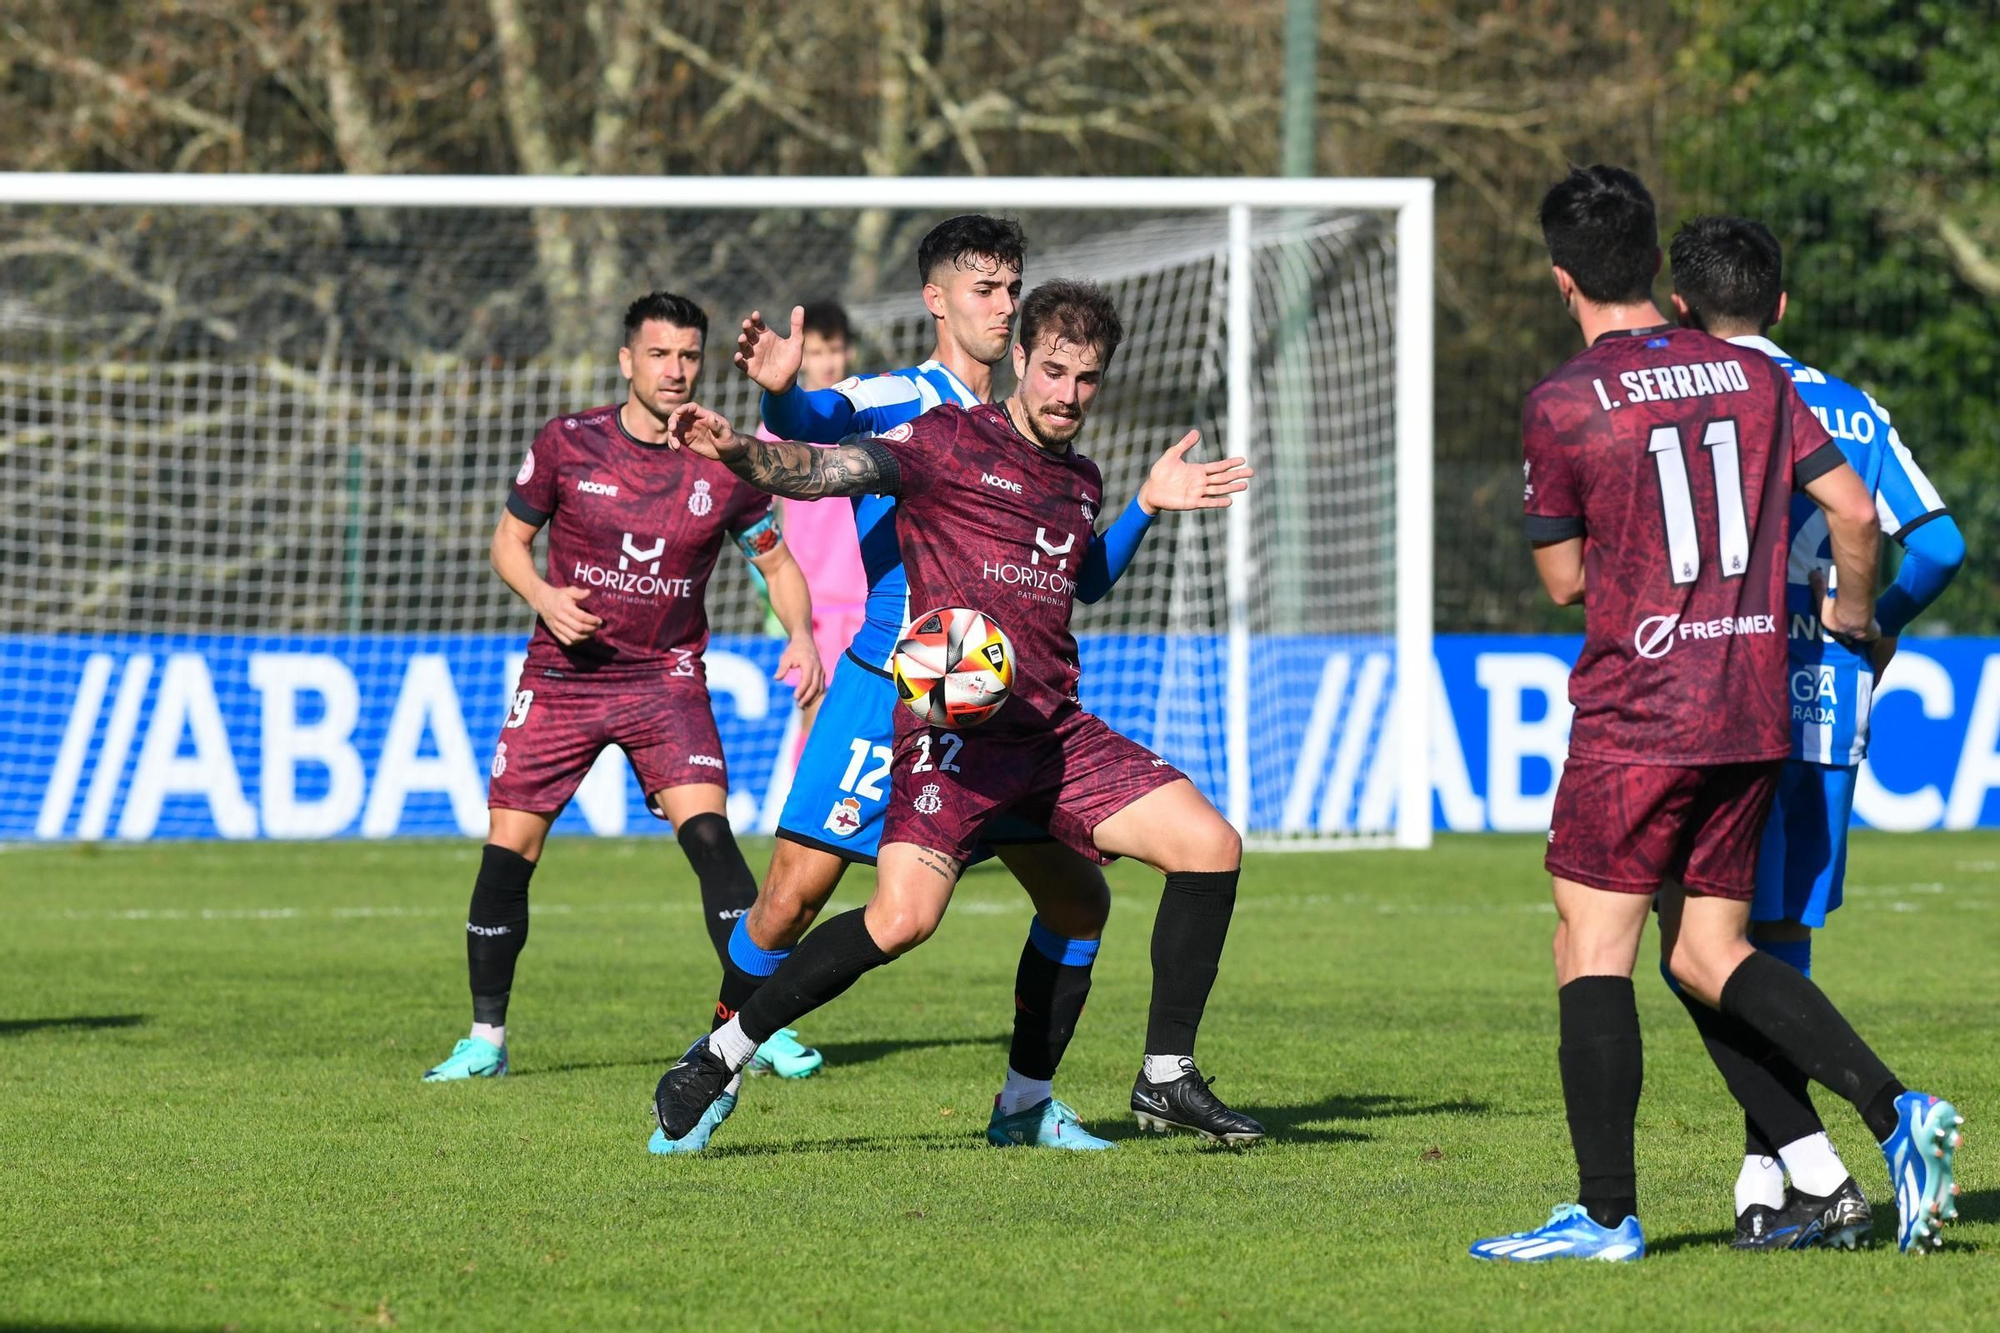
(1186, 1103)
(1841, 1221)
(689, 1088)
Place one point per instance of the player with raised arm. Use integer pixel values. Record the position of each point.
(994, 509)
(970, 268)
(615, 658)
(1660, 466)
(1729, 281)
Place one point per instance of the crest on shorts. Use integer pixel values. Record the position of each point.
(928, 801)
(701, 501)
(844, 820)
(527, 469)
(500, 759)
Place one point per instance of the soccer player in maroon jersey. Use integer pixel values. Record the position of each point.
(615, 659)
(995, 512)
(1660, 464)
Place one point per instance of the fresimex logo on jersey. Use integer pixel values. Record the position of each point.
(644, 582)
(1657, 635)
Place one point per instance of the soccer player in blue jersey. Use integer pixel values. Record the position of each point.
(970, 268)
(1729, 281)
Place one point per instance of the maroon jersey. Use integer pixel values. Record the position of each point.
(1674, 455)
(989, 520)
(639, 525)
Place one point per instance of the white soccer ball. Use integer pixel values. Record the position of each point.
(954, 667)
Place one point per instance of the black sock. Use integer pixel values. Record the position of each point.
(727, 887)
(1187, 944)
(496, 930)
(1050, 987)
(823, 966)
(1603, 1068)
(1791, 1013)
(1776, 1108)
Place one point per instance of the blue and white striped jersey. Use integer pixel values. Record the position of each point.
(1831, 686)
(881, 403)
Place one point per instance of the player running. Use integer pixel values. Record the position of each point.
(970, 267)
(615, 658)
(1660, 465)
(1729, 281)
(984, 494)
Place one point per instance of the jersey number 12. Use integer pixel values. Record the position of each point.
(1683, 550)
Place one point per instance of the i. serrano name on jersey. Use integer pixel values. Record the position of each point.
(1656, 384)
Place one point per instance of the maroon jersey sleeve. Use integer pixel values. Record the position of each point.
(916, 445)
(1814, 454)
(751, 520)
(1549, 494)
(533, 498)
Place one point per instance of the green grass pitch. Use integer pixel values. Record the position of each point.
(211, 1116)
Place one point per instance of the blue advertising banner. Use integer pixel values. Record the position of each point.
(240, 736)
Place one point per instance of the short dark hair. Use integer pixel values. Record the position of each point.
(669, 307)
(829, 320)
(1077, 312)
(1729, 271)
(1601, 230)
(970, 235)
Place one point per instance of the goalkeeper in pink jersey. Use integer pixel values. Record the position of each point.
(821, 533)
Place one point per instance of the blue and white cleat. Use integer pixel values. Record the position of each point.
(697, 1138)
(1921, 1154)
(786, 1057)
(1568, 1234)
(1047, 1124)
(473, 1057)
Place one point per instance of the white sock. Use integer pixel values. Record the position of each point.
(1020, 1092)
(1816, 1168)
(1761, 1180)
(734, 1085)
(488, 1032)
(729, 1042)
(1167, 1068)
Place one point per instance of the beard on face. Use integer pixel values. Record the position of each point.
(1052, 430)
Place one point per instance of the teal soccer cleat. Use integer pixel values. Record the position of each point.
(473, 1057)
(697, 1138)
(1568, 1234)
(1922, 1155)
(784, 1056)
(1047, 1124)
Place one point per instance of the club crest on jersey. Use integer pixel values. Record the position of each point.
(527, 469)
(901, 432)
(1089, 512)
(928, 802)
(701, 501)
(844, 820)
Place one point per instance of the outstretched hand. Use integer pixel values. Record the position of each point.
(699, 431)
(767, 358)
(1175, 483)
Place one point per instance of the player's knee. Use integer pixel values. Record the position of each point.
(781, 916)
(1698, 972)
(1206, 845)
(898, 928)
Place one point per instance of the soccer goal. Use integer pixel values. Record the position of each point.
(258, 430)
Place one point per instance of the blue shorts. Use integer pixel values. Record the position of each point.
(841, 788)
(1803, 861)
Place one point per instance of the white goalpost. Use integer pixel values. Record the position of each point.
(260, 427)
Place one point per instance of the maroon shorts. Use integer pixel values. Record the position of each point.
(1626, 827)
(555, 731)
(947, 786)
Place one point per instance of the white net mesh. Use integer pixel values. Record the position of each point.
(256, 455)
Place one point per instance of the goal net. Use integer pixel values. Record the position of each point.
(258, 432)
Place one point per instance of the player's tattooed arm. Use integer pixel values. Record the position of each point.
(784, 467)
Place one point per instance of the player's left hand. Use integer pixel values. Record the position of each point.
(802, 656)
(699, 431)
(1175, 483)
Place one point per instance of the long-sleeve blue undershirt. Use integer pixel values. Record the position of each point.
(816, 416)
(1932, 553)
(1112, 552)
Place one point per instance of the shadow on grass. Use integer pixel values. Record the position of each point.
(1977, 1206)
(1317, 1122)
(839, 1055)
(16, 1027)
(1691, 1240)
(44, 1326)
(1973, 1206)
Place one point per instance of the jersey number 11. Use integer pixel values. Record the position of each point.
(1683, 550)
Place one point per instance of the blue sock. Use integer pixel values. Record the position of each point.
(1795, 954)
(743, 951)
